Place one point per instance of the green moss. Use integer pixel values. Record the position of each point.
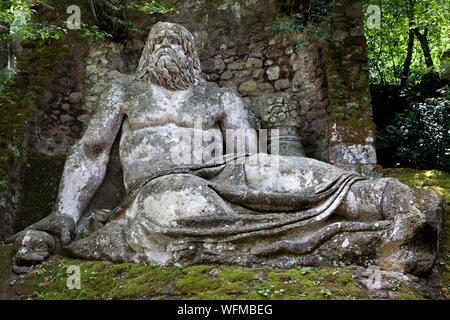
(196, 283)
(6, 254)
(436, 180)
(102, 280)
(36, 66)
(352, 131)
(40, 183)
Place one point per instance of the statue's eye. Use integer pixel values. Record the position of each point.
(173, 40)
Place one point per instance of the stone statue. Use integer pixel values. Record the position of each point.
(198, 200)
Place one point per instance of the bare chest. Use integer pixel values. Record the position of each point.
(162, 107)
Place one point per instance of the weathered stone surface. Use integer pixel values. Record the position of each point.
(75, 97)
(108, 243)
(258, 73)
(227, 75)
(37, 242)
(89, 65)
(273, 73)
(274, 51)
(33, 247)
(281, 84)
(352, 132)
(253, 63)
(384, 284)
(349, 242)
(66, 118)
(135, 44)
(355, 157)
(340, 35)
(248, 86)
(84, 118)
(268, 62)
(354, 10)
(56, 224)
(238, 65)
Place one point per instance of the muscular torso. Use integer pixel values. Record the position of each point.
(156, 120)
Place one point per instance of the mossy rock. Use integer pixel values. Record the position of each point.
(439, 182)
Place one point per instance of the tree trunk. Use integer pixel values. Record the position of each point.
(425, 46)
(409, 54)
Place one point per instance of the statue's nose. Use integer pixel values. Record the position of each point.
(165, 43)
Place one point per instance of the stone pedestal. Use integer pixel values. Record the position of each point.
(280, 115)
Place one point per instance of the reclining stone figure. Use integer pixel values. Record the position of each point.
(240, 208)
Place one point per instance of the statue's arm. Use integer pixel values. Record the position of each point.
(234, 122)
(87, 161)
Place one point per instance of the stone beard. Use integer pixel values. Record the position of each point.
(170, 62)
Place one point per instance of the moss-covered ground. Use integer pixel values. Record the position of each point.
(105, 280)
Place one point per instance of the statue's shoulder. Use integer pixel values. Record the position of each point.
(221, 93)
(118, 91)
(126, 86)
(230, 97)
(121, 82)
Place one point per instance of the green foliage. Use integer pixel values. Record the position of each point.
(113, 16)
(421, 133)
(311, 17)
(325, 292)
(17, 15)
(14, 151)
(147, 7)
(46, 20)
(263, 292)
(305, 270)
(435, 180)
(387, 47)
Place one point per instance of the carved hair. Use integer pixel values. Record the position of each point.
(171, 71)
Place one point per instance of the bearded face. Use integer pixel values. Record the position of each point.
(169, 58)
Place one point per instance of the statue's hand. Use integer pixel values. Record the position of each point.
(38, 241)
